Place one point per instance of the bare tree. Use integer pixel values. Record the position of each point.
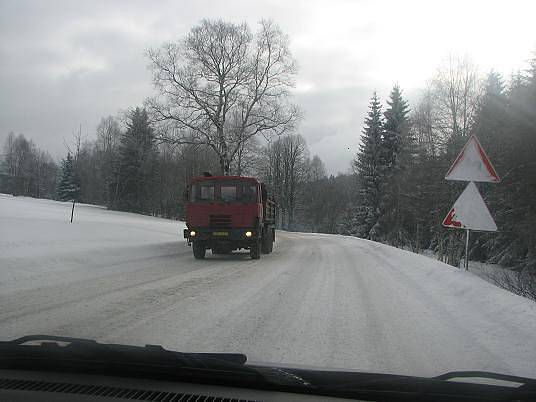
(108, 135)
(43, 173)
(295, 154)
(456, 88)
(247, 157)
(222, 85)
(316, 169)
(26, 169)
(10, 160)
(284, 169)
(73, 146)
(106, 146)
(423, 127)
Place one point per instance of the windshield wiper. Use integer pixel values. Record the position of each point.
(377, 386)
(451, 375)
(187, 358)
(57, 353)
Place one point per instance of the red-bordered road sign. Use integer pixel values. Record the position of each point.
(470, 212)
(472, 164)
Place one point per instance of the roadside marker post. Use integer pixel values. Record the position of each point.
(470, 212)
(466, 259)
(72, 211)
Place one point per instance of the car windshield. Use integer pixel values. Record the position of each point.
(333, 184)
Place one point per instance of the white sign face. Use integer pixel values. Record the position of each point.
(472, 164)
(470, 212)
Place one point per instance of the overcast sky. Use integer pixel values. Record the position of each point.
(63, 63)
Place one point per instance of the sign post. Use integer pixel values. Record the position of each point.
(470, 212)
(466, 260)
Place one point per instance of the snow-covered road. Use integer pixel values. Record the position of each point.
(319, 300)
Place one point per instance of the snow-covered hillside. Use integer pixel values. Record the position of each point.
(37, 242)
(321, 300)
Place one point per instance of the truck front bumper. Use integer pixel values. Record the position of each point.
(240, 234)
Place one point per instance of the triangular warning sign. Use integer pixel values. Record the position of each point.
(472, 164)
(470, 212)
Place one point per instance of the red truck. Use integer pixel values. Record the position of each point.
(226, 213)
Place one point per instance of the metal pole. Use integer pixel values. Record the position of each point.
(72, 212)
(466, 262)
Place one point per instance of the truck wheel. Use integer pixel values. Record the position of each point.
(255, 250)
(199, 249)
(271, 248)
(267, 242)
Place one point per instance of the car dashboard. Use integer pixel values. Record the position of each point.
(23, 385)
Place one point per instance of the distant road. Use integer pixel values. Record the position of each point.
(318, 300)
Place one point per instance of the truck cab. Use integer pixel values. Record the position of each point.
(227, 213)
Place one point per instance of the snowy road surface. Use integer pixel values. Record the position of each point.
(318, 300)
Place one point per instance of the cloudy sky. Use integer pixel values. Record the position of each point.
(65, 63)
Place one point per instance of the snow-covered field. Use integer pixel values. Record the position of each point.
(319, 300)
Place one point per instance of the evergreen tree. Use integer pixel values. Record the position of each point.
(397, 154)
(395, 128)
(491, 117)
(69, 186)
(513, 200)
(490, 128)
(370, 168)
(137, 165)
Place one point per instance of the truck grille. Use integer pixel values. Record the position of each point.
(220, 221)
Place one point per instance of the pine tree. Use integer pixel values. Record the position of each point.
(513, 201)
(397, 154)
(395, 128)
(370, 167)
(69, 186)
(490, 128)
(491, 117)
(137, 165)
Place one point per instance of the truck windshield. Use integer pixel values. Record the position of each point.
(228, 192)
(209, 191)
(206, 192)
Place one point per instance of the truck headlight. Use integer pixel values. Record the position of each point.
(249, 233)
(193, 233)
